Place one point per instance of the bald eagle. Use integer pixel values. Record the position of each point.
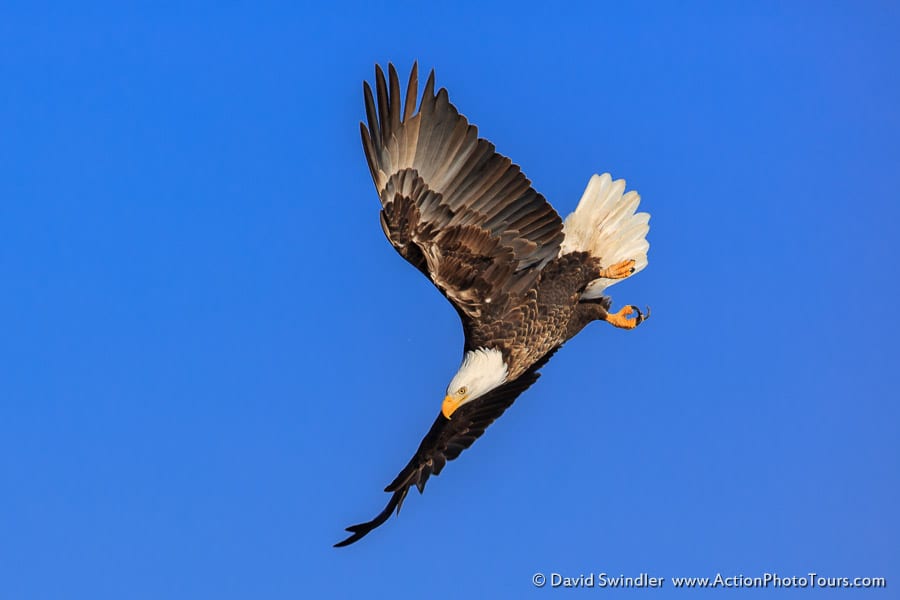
(522, 280)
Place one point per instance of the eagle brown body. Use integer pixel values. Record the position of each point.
(538, 321)
(469, 220)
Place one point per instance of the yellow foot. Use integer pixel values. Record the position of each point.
(623, 321)
(620, 270)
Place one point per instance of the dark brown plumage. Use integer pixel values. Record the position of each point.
(468, 219)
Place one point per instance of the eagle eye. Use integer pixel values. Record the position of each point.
(461, 391)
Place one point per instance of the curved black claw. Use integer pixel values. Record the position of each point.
(641, 317)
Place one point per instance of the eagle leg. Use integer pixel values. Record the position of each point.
(623, 321)
(620, 270)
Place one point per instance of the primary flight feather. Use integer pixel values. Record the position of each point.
(522, 280)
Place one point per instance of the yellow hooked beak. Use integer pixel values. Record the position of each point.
(450, 405)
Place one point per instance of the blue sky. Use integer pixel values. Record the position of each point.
(212, 361)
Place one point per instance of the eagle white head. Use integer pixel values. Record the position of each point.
(481, 371)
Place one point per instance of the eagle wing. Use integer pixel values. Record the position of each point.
(457, 210)
(446, 439)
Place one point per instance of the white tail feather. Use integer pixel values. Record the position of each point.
(606, 226)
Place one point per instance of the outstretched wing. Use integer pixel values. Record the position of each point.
(460, 212)
(446, 439)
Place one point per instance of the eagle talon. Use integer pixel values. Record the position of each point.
(640, 316)
(620, 270)
(622, 320)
